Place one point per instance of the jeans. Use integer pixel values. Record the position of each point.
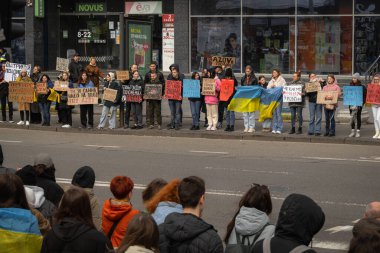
(137, 111)
(376, 116)
(249, 120)
(175, 112)
(221, 107)
(267, 123)
(103, 118)
(277, 118)
(212, 115)
(296, 111)
(195, 107)
(153, 109)
(4, 100)
(87, 110)
(330, 121)
(230, 118)
(315, 111)
(358, 118)
(45, 110)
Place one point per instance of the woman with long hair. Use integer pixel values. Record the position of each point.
(43, 100)
(277, 81)
(195, 105)
(64, 108)
(85, 82)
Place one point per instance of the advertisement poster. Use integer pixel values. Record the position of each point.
(167, 41)
(140, 45)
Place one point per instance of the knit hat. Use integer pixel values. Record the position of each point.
(27, 175)
(356, 76)
(112, 75)
(1, 156)
(84, 177)
(43, 159)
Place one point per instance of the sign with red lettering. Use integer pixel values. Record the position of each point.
(167, 18)
(132, 93)
(41, 88)
(21, 92)
(173, 90)
(373, 94)
(226, 89)
(82, 96)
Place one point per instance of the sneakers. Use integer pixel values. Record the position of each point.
(352, 134)
(219, 125)
(278, 132)
(151, 127)
(357, 135)
(21, 123)
(377, 134)
(159, 127)
(27, 123)
(2, 121)
(213, 128)
(251, 130)
(11, 121)
(209, 128)
(246, 130)
(66, 126)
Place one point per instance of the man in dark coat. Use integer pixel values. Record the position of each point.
(75, 69)
(187, 232)
(153, 69)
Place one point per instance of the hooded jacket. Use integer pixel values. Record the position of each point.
(165, 208)
(115, 86)
(71, 236)
(187, 233)
(53, 192)
(36, 199)
(114, 211)
(249, 222)
(75, 68)
(170, 76)
(299, 220)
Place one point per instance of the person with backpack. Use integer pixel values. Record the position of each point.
(250, 223)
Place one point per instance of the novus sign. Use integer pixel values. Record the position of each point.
(91, 7)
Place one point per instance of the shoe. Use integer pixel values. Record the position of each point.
(227, 128)
(245, 130)
(293, 130)
(219, 125)
(213, 128)
(82, 126)
(151, 127)
(317, 134)
(377, 134)
(11, 121)
(273, 131)
(99, 128)
(126, 126)
(196, 128)
(27, 123)
(299, 130)
(278, 132)
(139, 127)
(192, 127)
(251, 130)
(352, 134)
(357, 135)
(331, 135)
(159, 127)
(66, 126)
(310, 133)
(134, 126)
(90, 127)
(209, 128)
(21, 123)
(326, 134)
(2, 121)
(232, 128)
(177, 127)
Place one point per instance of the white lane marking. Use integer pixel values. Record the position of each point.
(208, 152)
(245, 170)
(330, 245)
(337, 229)
(10, 141)
(340, 159)
(100, 146)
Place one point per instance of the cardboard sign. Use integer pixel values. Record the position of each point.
(173, 90)
(373, 94)
(208, 87)
(153, 92)
(321, 97)
(353, 95)
(122, 75)
(21, 92)
(312, 87)
(41, 88)
(132, 93)
(82, 96)
(223, 61)
(61, 85)
(292, 93)
(110, 95)
(191, 88)
(62, 64)
(226, 89)
(13, 70)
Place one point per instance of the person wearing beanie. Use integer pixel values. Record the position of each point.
(4, 170)
(110, 106)
(84, 178)
(356, 111)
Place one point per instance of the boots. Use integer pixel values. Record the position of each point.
(293, 130)
(352, 134)
(227, 128)
(376, 135)
(299, 131)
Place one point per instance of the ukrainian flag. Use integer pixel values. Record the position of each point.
(246, 99)
(270, 99)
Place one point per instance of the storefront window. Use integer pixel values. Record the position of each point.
(215, 36)
(313, 7)
(367, 42)
(268, 7)
(367, 7)
(325, 45)
(215, 7)
(266, 43)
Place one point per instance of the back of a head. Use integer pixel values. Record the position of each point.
(300, 218)
(168, 193)
(121, 186)
(373, 210)
(27, 175)
(228, 73)
(84, 177)
(366, 236)
(12, 192)
(76, 204)
(190, 191)
(152, 188)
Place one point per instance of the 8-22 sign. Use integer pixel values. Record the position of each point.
(84, 34)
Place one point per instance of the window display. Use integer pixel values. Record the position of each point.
(268, 7)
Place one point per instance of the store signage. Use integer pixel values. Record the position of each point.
(91, 7)
(138, 8)
(39, 8)
(167, 40)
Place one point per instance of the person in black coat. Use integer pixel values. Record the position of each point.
(75, 69)
(230, 115)
(137, 84)
(4, 92)
(153, 69)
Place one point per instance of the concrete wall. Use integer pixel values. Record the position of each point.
(181, 39)
(34, 53)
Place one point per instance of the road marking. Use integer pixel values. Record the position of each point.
(337, 229)
(330, 245)
(10, 141)
(245, 170)
(100, 146)
(208, 152)
(340, 159)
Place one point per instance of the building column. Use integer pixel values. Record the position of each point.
(181, 37)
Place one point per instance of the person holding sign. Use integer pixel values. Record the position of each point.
(4, 92)
(296, 107)
(175, 105)
(315, 110)
(64, 108)
(24, 107)
(86, 110)
(332, 85)
(43, 100)
(137, 85)
(154, 105)
(249, 79)
(376, 110)
(230, 115)
(356, 111)
(195, 104)
(110, 106)
(212, 103)
(277, 81)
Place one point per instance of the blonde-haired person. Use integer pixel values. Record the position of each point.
(277, 81)
(376, 110)
(24, 108)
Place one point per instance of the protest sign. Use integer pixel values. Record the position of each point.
(353, 95)
(82, 96)
(223, 61)
(173, 90)
(122, 75)
(132, 93)
(226, 89)
(191, 88)
(373, 94)
(292, 93)
(208, 87)
(62, 64)
(13, 70)
(61, 85)
(312, 87)
(41, 88)
(21, 92)
(153, 92)
(109, 95)
(323, 97)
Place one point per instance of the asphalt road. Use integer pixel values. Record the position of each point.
(341, 178)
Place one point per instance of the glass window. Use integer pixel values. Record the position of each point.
(313, 7)
(268, 7)
(266, 44)
(215, 7)
(214, 36)
(367, 7)
(325, 45)
(367, 42)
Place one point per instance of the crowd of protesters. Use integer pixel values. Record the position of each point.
(215, 110)
(38, 215)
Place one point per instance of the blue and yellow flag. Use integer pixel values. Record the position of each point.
(246, 99)
(270, 99)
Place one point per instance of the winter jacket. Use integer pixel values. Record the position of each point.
(24, 79)
(115, 86)
(71, 235)
(36, 199)
(95, 210)
(249, 80)
(298, 104)
(75, 70)
(114, 211)
(214, 100)
(43, 98)
(53, 192)
(279, 82)
(138, 249)
(249, 222)
(43, 223)
(89, 84)
(299, 220)
(160, 77)
(333, 87)
(164, 209)
(36, 77)
(94, 73)
(187, 233)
